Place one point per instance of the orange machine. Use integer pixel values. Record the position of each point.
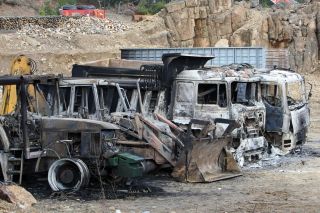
(22, 65)
(82, 10)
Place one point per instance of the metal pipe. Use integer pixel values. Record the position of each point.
(57, 96)
(4, 139)
(122, 98)
(23, 111)
(139, 96)
(96, 101)
(35, 94)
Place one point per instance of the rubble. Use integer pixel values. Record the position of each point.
(17, 23)
(83, 25)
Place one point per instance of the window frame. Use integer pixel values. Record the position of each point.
(218, 94)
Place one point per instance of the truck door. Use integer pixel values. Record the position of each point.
(272, 99)
(183, 106)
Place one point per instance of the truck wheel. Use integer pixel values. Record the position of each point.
(68, 174)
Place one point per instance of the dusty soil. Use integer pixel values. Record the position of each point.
(9, 10)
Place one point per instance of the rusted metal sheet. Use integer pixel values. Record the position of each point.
(76, 124)
(206, 162)
(300, 119)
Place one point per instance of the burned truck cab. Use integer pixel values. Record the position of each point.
(287, 109)
(213, 93)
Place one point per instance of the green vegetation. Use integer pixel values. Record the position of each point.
(46, 9)
(60, 3)
(266, 3)
(146, 8)
(49, 8)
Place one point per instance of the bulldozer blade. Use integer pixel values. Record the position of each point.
(206, 161)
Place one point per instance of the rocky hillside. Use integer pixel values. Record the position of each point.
(184, 23)
(203, 23)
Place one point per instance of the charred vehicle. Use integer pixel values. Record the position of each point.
(226, 92)
(182, 89)
(69, 149)
(287, 111)
(144, 131)
(75, 129)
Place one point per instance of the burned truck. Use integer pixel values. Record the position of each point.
(182, 89)
(229, 92)
(36, 138)
(287, 110)
(74, 129)
(146, 132)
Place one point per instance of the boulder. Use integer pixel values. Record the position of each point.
(222, 43)
(17, 195)
(238, 17)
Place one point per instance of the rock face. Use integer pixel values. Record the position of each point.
(203, 23)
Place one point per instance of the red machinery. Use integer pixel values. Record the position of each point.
(82, 10)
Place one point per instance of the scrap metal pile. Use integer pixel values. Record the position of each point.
(107, 122)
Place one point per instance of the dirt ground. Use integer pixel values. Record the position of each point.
(287, 184)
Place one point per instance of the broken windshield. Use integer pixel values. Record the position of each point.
(295, 93)
(271, 93)
(244, 93)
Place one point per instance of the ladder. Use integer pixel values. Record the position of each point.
(15, 164)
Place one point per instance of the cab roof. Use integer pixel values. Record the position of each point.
(226, 73)
(279, 76)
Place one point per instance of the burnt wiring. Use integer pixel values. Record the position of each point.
(99, 176)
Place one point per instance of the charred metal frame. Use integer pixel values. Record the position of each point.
(295, 121)
(21, 82)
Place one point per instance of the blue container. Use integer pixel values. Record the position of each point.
(256, 56)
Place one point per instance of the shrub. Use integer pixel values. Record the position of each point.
(48, 8)
(145, 7)
(266, 3)
(60, 3)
